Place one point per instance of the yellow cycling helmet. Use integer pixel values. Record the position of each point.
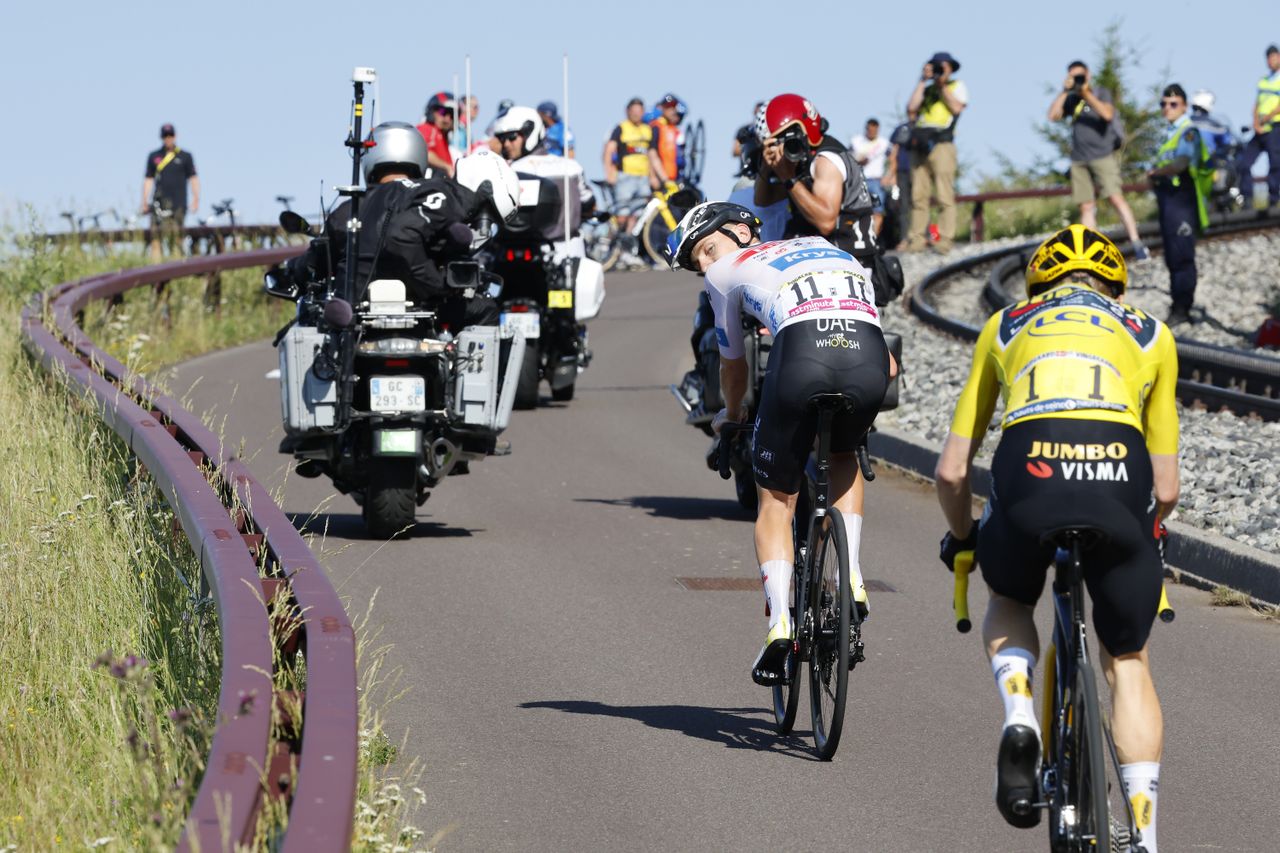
(1077, 249)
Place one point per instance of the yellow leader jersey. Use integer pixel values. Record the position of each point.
(1073, 353)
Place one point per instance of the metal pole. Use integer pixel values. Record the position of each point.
(467, 150)
(564, 151)
(455, 107)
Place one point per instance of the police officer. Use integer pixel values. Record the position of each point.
(411, 225)
(1266, 136)
(1178, 178)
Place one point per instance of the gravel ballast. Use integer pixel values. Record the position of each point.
(1230, 466)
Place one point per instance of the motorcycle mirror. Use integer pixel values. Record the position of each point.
(338, 313)
(276, 283)
(293, 223)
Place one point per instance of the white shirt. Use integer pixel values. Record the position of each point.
(784, 283)
(873, 151)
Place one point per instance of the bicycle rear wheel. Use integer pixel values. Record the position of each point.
(1089, 765)
(831, 606)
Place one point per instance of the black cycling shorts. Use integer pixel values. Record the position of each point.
(1051, 473)
(814, 357)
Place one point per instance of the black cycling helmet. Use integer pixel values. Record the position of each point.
(707, 218)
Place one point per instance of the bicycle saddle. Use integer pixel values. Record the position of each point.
(833, 401)
(1062, 537)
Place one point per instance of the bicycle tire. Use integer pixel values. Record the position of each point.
(831, 606)
(602, 244)
(786, 696)
(1090, 767)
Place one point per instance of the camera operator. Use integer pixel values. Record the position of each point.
(1095, 150)
(412, 225)
(933, 110)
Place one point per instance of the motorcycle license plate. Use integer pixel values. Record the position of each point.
(559, 298)
(397, 394)
(526, 323)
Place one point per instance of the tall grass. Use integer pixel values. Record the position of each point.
(108, 695)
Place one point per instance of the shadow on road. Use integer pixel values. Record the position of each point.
(735, 728)
(349, 525)
(679, 507)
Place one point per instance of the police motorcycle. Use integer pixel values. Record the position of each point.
(376, 394)
(550, 289)
(1224, 148)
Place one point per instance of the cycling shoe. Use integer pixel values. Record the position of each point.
(770, 667)
(1017, 774)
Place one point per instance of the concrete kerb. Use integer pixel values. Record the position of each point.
(1198, 557)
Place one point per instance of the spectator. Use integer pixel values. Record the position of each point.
(669, 137)
(933, 109)
(896, 187)
(558, 139)
(170, 171)
(1266, 136)
(1180, 199)
(870, 149)
(436, 127)
(631, 164)
(468, 112)
(1095, 143)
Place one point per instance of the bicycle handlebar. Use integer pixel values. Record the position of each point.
(727, 431)
(960, 597)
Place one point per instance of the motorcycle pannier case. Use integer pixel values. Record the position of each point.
(480, 399)
(588, 290)
(308, 403)
(541, 211)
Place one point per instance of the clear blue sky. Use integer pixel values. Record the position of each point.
(259, 92)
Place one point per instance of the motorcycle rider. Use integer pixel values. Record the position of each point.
(823, 341)
(521, 135)
(413, 219)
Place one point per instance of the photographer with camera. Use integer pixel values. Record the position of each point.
(933, 109)
(1095, 150)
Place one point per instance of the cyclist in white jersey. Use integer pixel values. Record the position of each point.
(819, 304)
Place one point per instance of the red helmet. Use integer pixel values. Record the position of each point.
(785, 110)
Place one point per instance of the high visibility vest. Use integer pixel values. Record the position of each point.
(1198, 169)
(1268, 97)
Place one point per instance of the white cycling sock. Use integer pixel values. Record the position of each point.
(776, 577)
(1013, 668)
(853, 533)
(1141, 784)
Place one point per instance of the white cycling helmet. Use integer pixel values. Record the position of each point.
(524, 121)
(1203, 99)
(484, 167)
(398, 144)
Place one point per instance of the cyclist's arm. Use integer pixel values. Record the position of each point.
(820, 205)
(733, 385)
(1160, 424)
(968, 426)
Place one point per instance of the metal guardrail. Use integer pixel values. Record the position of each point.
(233, 525)
(1218, 377)
(265, 234)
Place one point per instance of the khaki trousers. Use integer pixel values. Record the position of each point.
(934, 175)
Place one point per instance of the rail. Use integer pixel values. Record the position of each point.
(1218, 377)
(234, 526)
(210, 235)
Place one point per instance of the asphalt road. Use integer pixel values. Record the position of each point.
(567, 693)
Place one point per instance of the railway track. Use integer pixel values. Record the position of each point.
(1216, 377)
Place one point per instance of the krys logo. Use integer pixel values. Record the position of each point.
(1091, 452)
(792, 258)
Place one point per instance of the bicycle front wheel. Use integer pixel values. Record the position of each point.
(1089, 767)
(831, 607)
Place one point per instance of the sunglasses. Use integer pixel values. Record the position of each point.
(1170, 103)
(507, 136)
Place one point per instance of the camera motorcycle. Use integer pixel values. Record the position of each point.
(549, 288)
(390, 384)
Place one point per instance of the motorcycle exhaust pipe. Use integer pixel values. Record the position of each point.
(442, 455)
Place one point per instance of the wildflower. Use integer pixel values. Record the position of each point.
(246, 701)
(180, 716)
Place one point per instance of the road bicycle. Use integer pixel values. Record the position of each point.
(653, 221)
(827, 624)
(1086, 811)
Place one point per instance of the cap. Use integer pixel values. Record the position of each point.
(167, 130)
(942, 56)
(668, 99)
(1271, 48)
(549, 107)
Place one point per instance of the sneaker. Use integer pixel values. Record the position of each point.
(1141, 253)
(1178, 315)
(770, 667)
(1017, 772)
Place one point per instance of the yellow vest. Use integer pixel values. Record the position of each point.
(1268, 97)
(933, 112)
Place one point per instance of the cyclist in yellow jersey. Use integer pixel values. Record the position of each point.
(1090, 437)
